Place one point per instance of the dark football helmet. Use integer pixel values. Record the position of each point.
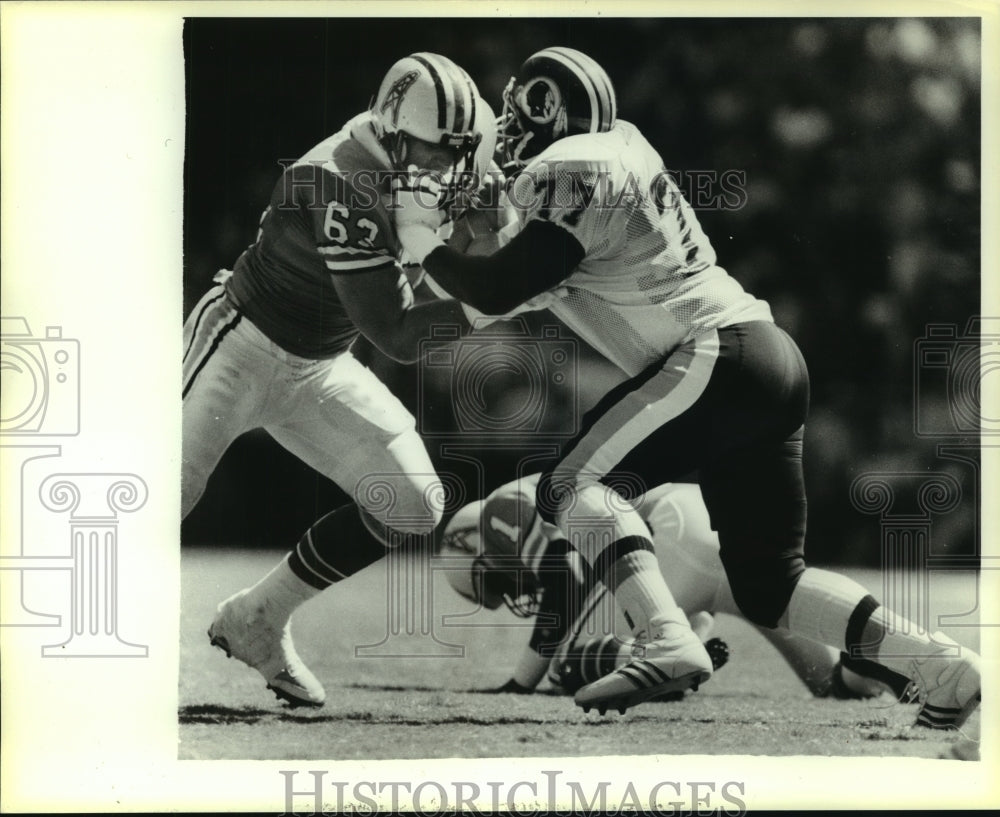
(557, 92)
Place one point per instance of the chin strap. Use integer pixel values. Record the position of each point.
(394, 144)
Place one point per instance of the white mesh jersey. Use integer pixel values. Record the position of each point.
(649, 280)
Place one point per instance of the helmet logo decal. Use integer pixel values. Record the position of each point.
(540, 100)
(394, 96)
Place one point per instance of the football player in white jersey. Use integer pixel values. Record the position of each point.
(269, 347)
(714, 387)
(499, 551)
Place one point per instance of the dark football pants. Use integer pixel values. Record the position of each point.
(730, 406)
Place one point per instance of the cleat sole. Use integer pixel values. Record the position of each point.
(635, 697)
(293, 701)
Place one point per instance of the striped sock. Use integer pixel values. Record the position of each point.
(337, 546)
(835, 610)
(640, 590)
(594, 658)
(615, 541)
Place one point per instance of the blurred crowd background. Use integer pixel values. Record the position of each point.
(858, 141)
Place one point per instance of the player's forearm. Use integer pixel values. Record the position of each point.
(477, 280)
(537, 259)
(402, 340)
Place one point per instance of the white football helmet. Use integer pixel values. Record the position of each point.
(428, 97)
(460, 552)
(482, 562)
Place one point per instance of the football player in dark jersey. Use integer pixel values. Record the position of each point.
(269, 345)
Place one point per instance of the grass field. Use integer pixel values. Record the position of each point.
(434, 706)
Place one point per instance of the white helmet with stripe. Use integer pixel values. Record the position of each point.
(557, 92)
(428, 97)
(481, 552)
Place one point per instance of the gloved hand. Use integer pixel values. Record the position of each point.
(417, 212)
(718, 651)
(417, 198)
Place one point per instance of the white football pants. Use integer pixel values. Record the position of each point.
(335, 415)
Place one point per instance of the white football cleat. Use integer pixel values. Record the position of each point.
(243, 629)
(659, 667)
(950, 689)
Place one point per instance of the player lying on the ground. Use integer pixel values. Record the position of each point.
(499, 551)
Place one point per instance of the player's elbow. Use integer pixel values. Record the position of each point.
(398, 349)
(494, 301)
(392, 340)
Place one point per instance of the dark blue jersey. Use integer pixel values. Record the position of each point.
(327, 216)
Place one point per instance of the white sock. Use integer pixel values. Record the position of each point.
(283, 590)
(649, 607)
(826, 605)
(596, 525)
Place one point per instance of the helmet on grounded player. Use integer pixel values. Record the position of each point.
(484, 567)
(428, 98)
(557, 92)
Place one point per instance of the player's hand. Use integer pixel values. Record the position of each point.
(417, 199)
(414, 273)
(417, 202)
(512, 687)
(718, 651)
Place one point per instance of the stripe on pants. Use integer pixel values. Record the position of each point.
(660, 399)
(216, 322)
